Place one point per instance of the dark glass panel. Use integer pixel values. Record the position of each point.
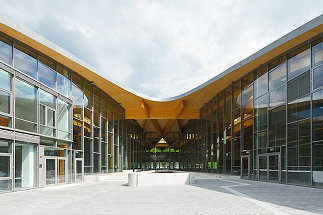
(237, 122)
(104, 107)
(277, 126)
(317, 162)
(261, 82)
(236, 96)
(87, 122)
(317, 115)
(247, 102)
(299, 109)
(96, 94)
(248, 134)
(260, 109)
(5, 146)
(103, 128)
(228, 94)
(317, 52)
(277, 97)
(247, 81)
(77, 134)
(96, 113)
(5, 51)
(261, 140)
(318, 77)
(25, 61)
(228, 114)
(87, 152)
(299, 61)
(77, 81)
(220, 103)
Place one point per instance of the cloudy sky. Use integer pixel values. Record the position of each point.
(162, 48)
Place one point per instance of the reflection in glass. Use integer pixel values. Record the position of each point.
(47, 99)
(63, 85)
(4, 102)
(46, 75)
(317, 52)
(277, 76)
(299, 109)
(277, 126)
(25, 61)
(317, 115)
(5, 51)
(261, 82)
(317, 163)
(77, 97)
(299, 61)
(5, 80)
(318, 77)
(247, 102)
(260, 109)
(277, 97)
(50, 171)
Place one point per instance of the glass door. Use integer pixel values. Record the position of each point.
(50, 171)
(269, 167)
(6, 166)
(61, 170)
(79, 169)
(245, 167)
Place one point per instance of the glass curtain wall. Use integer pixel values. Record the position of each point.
(270, 119)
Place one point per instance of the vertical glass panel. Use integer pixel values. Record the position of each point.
(4, 102)
(87, 152)
(5, 147)
(63, 85)
(317, 115)
(25, 165)
(228, 114)
(261, 140)
(248, 134)
(261, 82)
(42, 113)
(103, 128)
(263, 168)
(5, 51)
(317, 52)
(50, 171)
(236, 96)
(247, 81)
(46, 72)
(237, 122)
(260, 107)
(247, 102)
(25, 95)
(299, 61)
(88, 95)
(277, 126)
(77, 97)
(79, 170)
(317, 162)
(96, 113)
(318, 77)
(277, 75)
(277, 97)
(63, 116)
(87, 122)
(47, 99)
(5, 80)
(96, 94)
(4, 166)
(61, 171)
(220, 103)
(299, 109)
(77, 81)
(77, 134)
(25, 61)
(50, 117)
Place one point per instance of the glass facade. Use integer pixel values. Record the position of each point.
(60, 125)
(267, 125)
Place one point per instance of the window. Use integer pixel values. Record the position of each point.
(261, 82)
(317, 52)
(64, 120)
(277, 126)
(277, 73)
(25, 61)
(5, 51)
(5, 98)
(247, 102)
(277, 97)
(260, 109)
(298, 61)
(317, 114)
(46, 72)
(318, 77)
(25, 96)
(47, 113)
(299, 109)
(63, 84)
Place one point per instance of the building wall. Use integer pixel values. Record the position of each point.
(266, 125)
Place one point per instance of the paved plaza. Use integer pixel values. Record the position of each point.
(210, 195)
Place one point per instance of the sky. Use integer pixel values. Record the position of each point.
(161, 48)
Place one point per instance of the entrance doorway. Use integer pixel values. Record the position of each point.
(245, 167)
(269, 167)
(5, 172)
(55, 170)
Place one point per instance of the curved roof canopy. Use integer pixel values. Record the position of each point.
(184, 106)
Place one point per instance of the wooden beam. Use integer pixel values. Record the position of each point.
(179, 108)
(157, 126)
(145, 124)
(145, 108)
(169, 124)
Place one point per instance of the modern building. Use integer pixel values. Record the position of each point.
(60, 120)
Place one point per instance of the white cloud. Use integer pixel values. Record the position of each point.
(162, 48)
